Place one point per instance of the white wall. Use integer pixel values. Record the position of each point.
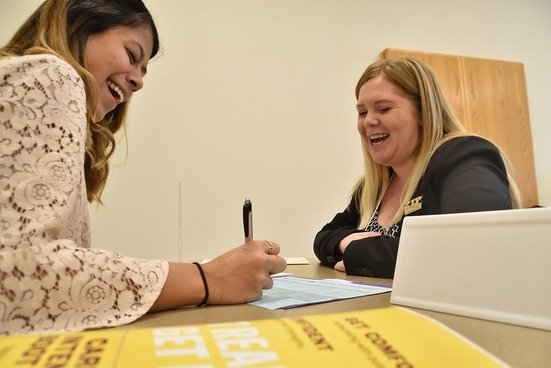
(254, 98)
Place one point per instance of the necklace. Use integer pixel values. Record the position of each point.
(373, 224)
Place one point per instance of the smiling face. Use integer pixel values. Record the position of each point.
(117, 59)
(388, 123)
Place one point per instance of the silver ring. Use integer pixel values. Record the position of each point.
(271, 247)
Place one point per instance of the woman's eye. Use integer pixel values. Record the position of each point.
(384, 109)
(131, 56)
(361, 114)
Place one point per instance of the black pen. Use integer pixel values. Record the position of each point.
(248, 219)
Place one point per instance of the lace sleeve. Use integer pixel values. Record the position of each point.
(49, 277)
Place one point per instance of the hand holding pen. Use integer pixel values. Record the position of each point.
(240, 274)
(237, 276)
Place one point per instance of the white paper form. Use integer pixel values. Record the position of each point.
(292, 291)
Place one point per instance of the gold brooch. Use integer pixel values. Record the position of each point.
(414, 205)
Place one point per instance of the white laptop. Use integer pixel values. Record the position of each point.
(493, 265)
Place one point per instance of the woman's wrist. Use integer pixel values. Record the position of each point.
(205, 285)
(183, 287)
(344, 242)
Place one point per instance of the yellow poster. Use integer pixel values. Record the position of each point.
(388, 337)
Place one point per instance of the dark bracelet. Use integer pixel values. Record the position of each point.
(206, 298)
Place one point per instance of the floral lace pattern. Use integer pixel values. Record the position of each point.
(50, 278)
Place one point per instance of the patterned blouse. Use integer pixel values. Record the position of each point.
(376, 227)
(50, 278)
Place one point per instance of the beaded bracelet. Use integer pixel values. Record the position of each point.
(206, 298)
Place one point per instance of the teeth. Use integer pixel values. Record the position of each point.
(378, 136)
(115, 88)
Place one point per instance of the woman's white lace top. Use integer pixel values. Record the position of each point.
(50, 278)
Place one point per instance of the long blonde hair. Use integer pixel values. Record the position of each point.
(438, 125)
(61, 28)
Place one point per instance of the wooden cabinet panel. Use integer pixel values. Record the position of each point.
(498, 109)
(490, 98)
(446, 68)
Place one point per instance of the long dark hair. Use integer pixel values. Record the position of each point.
(62, 27)
(88, 17)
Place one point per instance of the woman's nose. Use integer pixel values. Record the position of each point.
(370, 120)
(136, 81)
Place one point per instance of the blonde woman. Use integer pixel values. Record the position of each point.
(419, 160)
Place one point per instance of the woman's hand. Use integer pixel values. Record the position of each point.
(339, 266)
(240, 275)
(237, 276)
